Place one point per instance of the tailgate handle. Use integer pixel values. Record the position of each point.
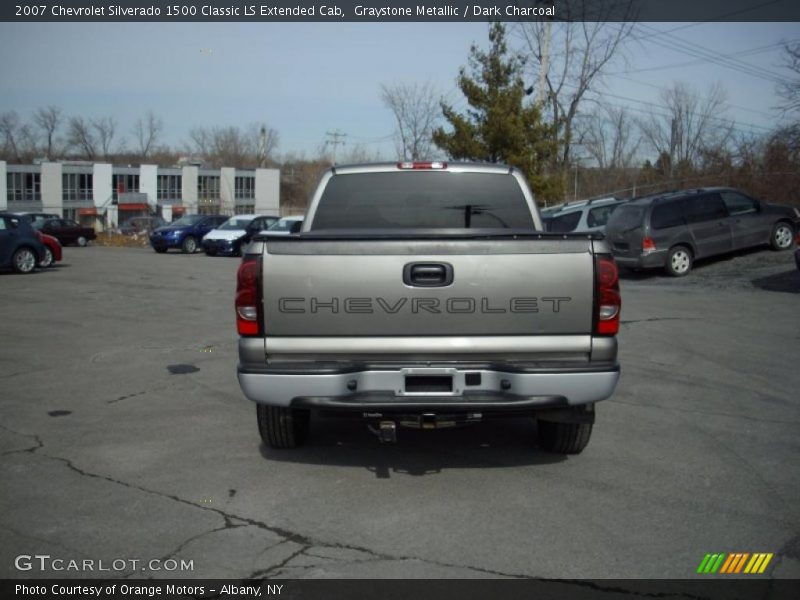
(428, 274)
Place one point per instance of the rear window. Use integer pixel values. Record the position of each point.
(599, 216)
(667, 214)
(422, 199)
(626, 218)
(563, 223)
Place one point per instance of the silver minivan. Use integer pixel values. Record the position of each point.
(674, 229)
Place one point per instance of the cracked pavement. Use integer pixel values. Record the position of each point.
(124, 435)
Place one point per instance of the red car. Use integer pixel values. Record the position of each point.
(68, 231)
(52, 250)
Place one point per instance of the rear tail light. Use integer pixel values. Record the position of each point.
(421, 165)
(248, 297)
(607, 298)
(648, 245)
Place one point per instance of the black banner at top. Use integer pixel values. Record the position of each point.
(398, 10)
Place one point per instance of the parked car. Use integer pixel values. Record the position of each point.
(583, 215)
(38, 218)
(20, 246)
(674, 229)
(286, 225)
(797, 258)
(67, 231)
(140, 225)
(233, 234)
(52, 250)
(186, 233)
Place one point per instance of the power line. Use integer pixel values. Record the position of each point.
(662, 88)
(336, 138)
(757, 50)
(711, 20)
(697, 51)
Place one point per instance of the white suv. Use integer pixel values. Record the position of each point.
(583, 215)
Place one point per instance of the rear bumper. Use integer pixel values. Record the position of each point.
(385, 389)
(654, 260)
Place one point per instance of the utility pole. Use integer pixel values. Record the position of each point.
(575, 196)
(545, 66)
(335, 139)
(673, 142)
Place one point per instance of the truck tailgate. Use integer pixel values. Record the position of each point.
(344, 287)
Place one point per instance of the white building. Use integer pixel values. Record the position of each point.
(102, 195)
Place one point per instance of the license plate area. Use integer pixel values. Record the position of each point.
(429, 382)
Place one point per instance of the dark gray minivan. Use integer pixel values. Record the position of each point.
(671, 230)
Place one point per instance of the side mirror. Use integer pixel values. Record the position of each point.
(296, 227)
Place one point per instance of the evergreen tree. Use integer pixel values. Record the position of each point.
(500, 126)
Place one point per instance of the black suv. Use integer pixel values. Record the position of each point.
(673, 229)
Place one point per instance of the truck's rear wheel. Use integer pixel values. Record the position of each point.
(564, 438)
(282, 427)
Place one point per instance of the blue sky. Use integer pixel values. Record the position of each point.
(306, 79)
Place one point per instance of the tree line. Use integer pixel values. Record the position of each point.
(573, 141)
(535, 98)
(50, 134)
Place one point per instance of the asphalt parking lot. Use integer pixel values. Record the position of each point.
(124, 436)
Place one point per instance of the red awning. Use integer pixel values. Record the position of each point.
(141, 206)
(178, 209)
(84, 212)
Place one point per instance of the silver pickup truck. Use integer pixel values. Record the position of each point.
(427, 295)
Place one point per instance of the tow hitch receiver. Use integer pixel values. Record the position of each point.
(386, 432)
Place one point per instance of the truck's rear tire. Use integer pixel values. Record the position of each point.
(282, 427)
(564, 438)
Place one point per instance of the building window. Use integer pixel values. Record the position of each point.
(76, 187)
(124, 184)
(208, 187)
(245, 209)
(245, 188)
(169, 187)
(23, 187)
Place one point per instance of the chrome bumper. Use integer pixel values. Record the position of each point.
(366, 389)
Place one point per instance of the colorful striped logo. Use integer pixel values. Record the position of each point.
(737, 562)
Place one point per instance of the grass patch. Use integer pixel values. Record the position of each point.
(123, 241)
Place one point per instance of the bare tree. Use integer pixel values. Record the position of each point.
(18, 138)
(234, 147)
(199, 141)
(48, 121)
(230, 146)
(81, 138)
(223, 146)
(570, 58)
(105, 128)
(9, 129)
(609, 136)
(417, 112)
(690, 125)
(789, 89)
(146, 132)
